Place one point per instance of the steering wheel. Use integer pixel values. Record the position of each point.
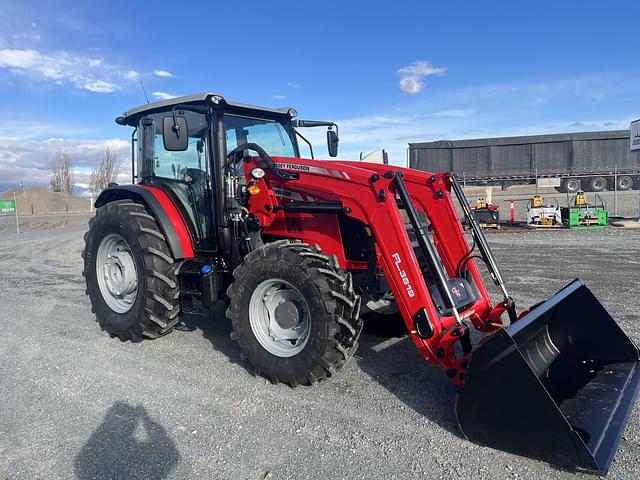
(264, 156)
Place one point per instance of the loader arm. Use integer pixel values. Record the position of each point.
(375, 195)
(544, 386)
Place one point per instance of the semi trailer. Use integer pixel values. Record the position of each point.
(587, 161)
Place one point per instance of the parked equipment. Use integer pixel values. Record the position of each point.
(487, 214)
(584, 212)
(224, 208)
(541, 215)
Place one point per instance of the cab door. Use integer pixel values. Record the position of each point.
(185, 174)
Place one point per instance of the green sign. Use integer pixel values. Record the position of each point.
(7, 206)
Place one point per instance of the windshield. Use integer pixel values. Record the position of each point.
(271, 135)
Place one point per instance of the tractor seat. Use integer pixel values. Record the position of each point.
(196, 180)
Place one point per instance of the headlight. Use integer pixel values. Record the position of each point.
(257, 173)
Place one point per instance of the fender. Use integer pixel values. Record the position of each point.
(167, 215)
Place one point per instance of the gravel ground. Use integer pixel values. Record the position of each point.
(76, 403)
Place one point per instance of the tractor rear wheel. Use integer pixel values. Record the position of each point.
(294, 312)
(130, 273)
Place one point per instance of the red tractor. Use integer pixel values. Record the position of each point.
(222, 207)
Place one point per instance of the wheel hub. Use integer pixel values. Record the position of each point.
(279, 317)
(287, 315)
(116, 273)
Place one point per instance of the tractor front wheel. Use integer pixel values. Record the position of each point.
(294, 312)
(130, 273)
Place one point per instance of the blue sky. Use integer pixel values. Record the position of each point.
(388, 72)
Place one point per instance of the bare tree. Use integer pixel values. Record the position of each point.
(56, 177)
(62, 178)
(106, 173)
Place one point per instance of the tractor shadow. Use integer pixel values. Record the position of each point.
(215, 328)
(128, 444)
(396, 365)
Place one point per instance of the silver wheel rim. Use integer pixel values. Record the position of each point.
(598, 184)
(117, 273)
(572, 185)
(280, 318)
(624, 183)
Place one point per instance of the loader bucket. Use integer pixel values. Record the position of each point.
(557, 385)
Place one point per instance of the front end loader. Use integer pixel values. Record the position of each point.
(223, 207)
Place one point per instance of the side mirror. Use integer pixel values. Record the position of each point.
(175, 135)
(332, 143)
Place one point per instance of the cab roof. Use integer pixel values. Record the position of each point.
(131, 117)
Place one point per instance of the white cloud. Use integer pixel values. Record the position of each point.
(278, 97)
(30, 129)
(100, 86)
(411, 76)
(30, 160)
(162, 73)
(87, 73)
(392, 132)
(411, 85)
(296, 85)
(163, 95)
(420, 68)
(589, 125)
(21, 59)
(454, 113)
(595, 87)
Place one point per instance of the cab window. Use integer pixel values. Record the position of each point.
(271, 135)
(174, 164)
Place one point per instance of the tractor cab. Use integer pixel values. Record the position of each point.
(182, 148)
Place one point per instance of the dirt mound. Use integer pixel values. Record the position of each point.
(39, 200)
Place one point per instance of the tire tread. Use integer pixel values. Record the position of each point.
(334, 286)
(162, 294)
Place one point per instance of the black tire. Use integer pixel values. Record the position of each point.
(625, 182)
(334, 308)
(156, 307)
(597, 184)
(571, 185)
